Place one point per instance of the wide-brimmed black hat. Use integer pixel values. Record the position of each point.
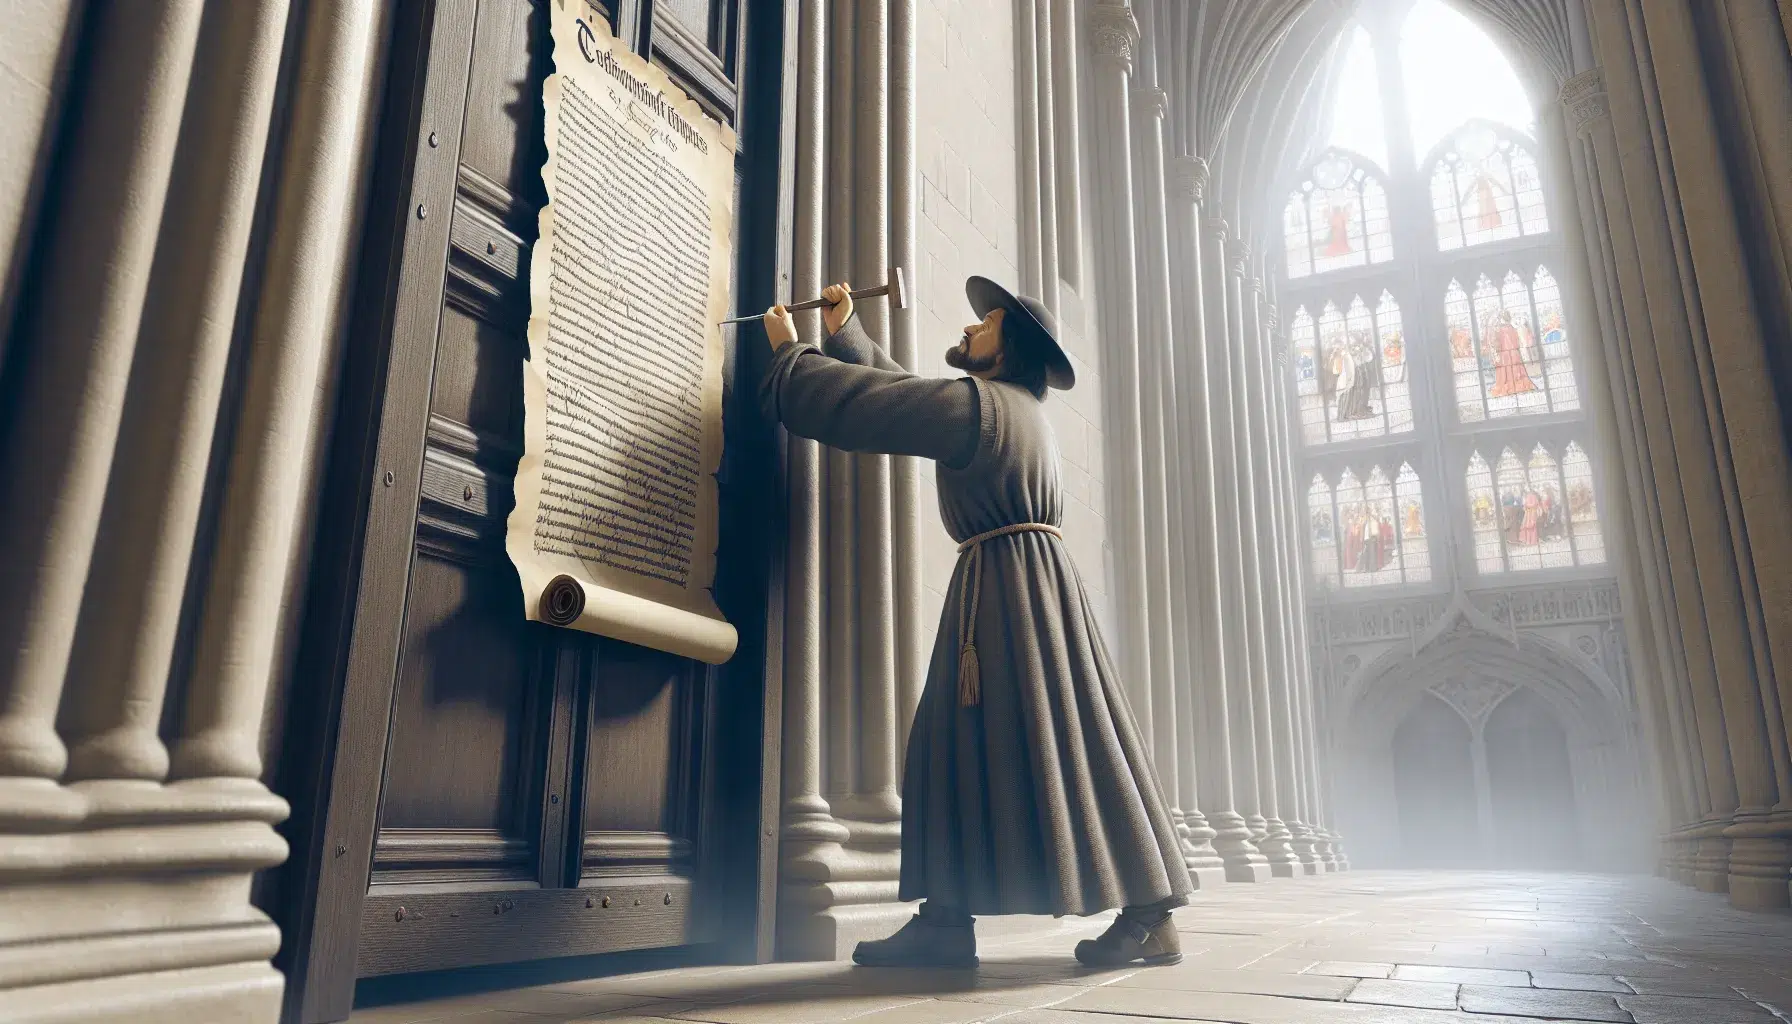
(1037, 326)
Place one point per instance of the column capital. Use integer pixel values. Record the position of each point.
(1272, 322)
(1115, 33)
(1583, 96)
(1188, 177)
(1257, 284)
(1151, 102)
(1218, 228)
(1238, 255)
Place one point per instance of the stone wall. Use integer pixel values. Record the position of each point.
(970, 224)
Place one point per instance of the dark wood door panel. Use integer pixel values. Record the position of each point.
(490, 790)
(423, 931)
(464, 720)
(502, 138)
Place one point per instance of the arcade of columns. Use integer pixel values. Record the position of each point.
(1200, 489)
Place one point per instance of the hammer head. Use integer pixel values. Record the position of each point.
(898, 289)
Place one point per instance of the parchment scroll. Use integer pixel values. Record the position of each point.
(614, 530)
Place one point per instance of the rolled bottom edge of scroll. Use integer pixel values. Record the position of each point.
(562, 601)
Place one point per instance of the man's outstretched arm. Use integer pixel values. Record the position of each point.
(866, 409)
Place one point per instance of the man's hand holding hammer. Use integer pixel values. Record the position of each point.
(780, 327)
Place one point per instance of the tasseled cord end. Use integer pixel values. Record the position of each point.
(970, 682)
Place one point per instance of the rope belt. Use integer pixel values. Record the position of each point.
(970, 683)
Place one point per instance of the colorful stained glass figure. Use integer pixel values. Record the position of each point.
(1305, 336)
(1503, 365)
(1322, 531)
(1415, 554)
(1350, 371)
(1542, 516)
(1485, 188)
(1337, 218)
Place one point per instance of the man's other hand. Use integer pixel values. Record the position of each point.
(780, 329)
(840, 310)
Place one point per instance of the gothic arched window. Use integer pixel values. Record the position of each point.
(1485, 188)
(1368, 531)
(1534, 510)
(1337, 218)
(1509, 347)
(1351, 371)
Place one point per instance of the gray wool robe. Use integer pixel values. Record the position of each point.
(1039, 799)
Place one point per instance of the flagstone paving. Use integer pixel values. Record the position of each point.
(1353, 948)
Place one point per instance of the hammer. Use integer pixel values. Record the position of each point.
(895, 289)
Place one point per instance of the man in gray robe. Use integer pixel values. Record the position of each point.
(1028, 787)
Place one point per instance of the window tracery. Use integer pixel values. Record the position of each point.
(1486, 188)
(1337, 218)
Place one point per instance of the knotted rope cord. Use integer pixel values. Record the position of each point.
(970, 682)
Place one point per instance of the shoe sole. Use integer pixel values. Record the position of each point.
(957, 965)
(1160, 960)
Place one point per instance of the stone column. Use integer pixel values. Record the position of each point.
(1167, 575)
(1611, 246)
(809, 838)
(1113, 35)
(1292, 769)
(1230, 525)
(1697, 161)
(1260, 561)
(854, 666)
(1633, 524)
(1206, 720)
(139, 297)
(73, 362)
(1148, 109)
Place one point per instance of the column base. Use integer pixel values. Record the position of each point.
(1711, 862)
(249, 993)
(1278, 848)
(1305, 847)
(1232, 841)
(1760, 867)
(1205, 867)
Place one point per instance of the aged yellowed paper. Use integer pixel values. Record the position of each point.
(614, 530)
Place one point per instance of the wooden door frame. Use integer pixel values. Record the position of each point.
(337, 728)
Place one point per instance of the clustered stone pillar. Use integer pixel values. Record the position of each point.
(1202, 519)
(127, 845)
(853, 636)
(1201, 497)
(1683, 174)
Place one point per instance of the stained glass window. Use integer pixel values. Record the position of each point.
(1534, 511)
(1351, 371)
(1486, 188)
(1509, 347)
(1337, 218)
(1322, 531)
(1368, 532)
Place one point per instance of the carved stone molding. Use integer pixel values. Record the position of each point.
(1219, 230)
(1583, 97)
(1272, 322)
(1115, 33)
(1188, 178)
(1151, 102)
(1473, 697)
(1238, 255)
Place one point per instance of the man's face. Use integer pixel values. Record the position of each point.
(979, 352)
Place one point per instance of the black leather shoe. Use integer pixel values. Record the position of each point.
(922, 943)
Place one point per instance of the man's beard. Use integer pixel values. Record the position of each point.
(959, 358)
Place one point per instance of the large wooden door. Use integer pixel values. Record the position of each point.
(496, 790)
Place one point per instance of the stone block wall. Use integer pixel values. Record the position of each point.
(970, 224)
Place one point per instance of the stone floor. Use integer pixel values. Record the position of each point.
(1356, 948)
